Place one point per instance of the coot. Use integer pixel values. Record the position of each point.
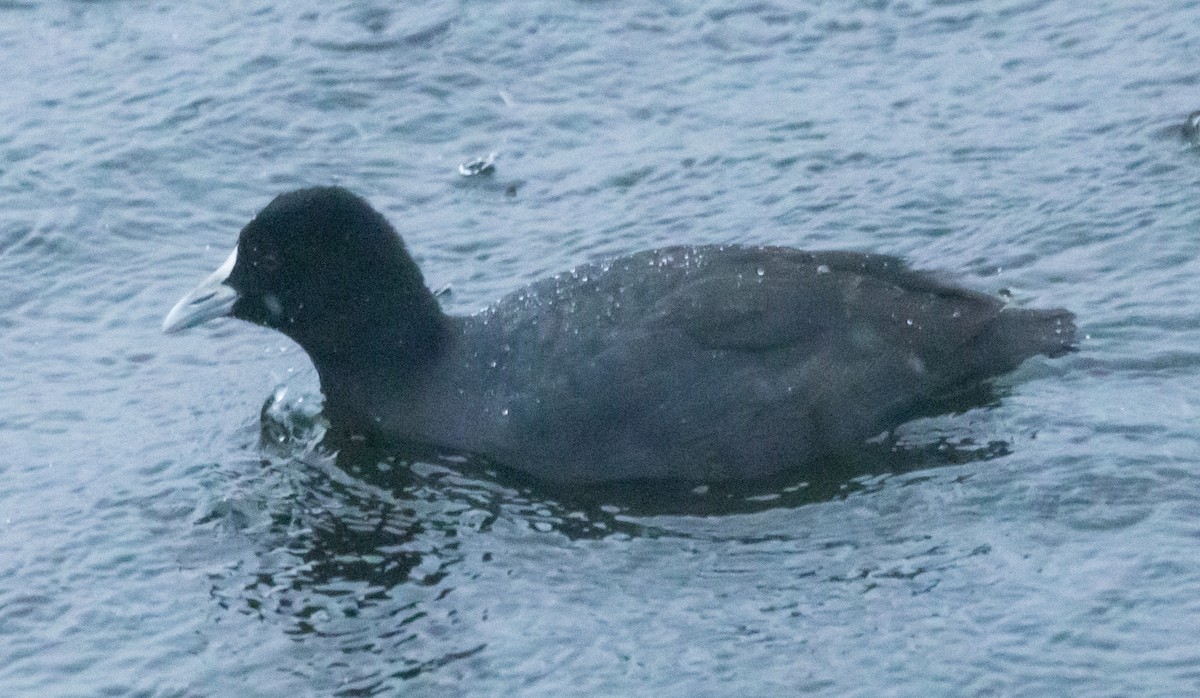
(687, 364)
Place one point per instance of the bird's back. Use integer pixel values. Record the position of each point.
(712, 363)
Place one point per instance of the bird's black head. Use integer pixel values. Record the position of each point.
(329, 271)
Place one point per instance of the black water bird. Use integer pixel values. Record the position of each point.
(687, 364)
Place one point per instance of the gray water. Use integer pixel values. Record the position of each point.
(158, 537)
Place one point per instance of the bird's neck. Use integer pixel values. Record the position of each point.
(372, 366)
(387, 332)
(405, 343)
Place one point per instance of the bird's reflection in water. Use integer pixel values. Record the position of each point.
(366, 547)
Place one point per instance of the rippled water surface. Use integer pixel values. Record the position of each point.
(163, 534)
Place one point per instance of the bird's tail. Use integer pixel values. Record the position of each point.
(1020, 333)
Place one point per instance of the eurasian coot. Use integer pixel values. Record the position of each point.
(692, 364)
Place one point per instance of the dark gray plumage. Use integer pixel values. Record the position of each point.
(688, 364)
